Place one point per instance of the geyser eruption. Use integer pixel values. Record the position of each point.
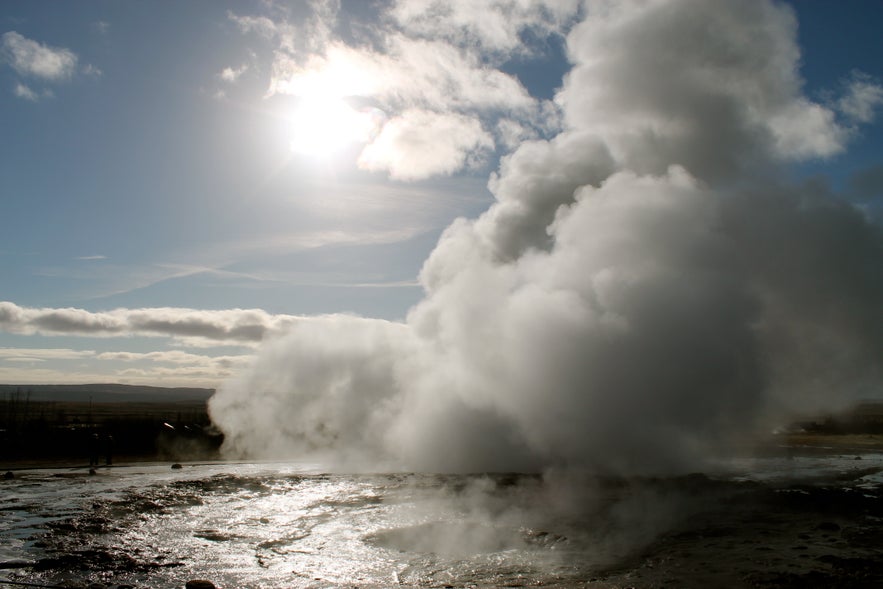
(646, 286)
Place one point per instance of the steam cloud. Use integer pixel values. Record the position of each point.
(646, 286)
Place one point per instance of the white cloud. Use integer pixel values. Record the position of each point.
(405, 70)
(863, 96)
(25, 92)
(193, 375)
(40, 62)
(234, 326)
(182, 368)
(496, 27)
(231, 75)
(307, 31)
(43, 375)
(512, 133)
(179, 357)
(407, 73)
(419, 144)
(171, 377)
(31, 58)
(261, 25)
(91, 70)
(427, 87)
(44, 353)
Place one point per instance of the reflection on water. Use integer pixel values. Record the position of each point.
(272, 526)
(246, 525)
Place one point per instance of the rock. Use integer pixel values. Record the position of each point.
(199, 584)
(177, 466)
(8, 475)
(828, 527)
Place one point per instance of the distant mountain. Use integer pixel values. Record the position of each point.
(104, 393)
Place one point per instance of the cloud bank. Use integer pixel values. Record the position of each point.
(644, 288)
(190, 326)
(172, 367)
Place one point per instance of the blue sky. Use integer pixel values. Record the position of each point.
(166, 165)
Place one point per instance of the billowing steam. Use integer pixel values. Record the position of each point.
(646, 286)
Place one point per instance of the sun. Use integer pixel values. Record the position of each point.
(328, 117)
(323, 126)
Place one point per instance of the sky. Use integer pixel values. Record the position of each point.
(184, 182)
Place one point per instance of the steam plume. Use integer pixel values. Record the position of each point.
(645, 286)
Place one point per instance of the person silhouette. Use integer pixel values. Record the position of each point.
(94, 450)
(108, 450)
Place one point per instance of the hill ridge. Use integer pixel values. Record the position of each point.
(105, 392)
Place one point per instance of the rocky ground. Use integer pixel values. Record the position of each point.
(817, 533)
(798, 537)
(822, 530)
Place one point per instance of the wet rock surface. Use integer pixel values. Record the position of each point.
(429, 531)
(826, 535)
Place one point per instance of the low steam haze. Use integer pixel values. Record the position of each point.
(648, 285)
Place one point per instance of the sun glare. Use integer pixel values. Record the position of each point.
(324, 122)
(323, 126)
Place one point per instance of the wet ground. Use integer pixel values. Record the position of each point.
(810, 521)
(825, 533)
